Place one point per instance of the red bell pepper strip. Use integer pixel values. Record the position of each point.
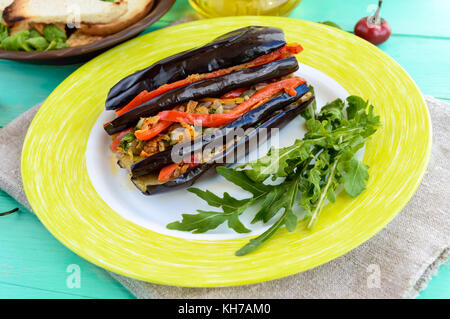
(145, 96)
(167, 171)
(294, 48)
(281, 53)
(145, 135)
(234, 94)
(264, 59)
(151, 132)
(116, 142)
(205, 120)
(214, 120)
(138, 100)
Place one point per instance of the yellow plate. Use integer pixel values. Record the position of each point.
(60, 192)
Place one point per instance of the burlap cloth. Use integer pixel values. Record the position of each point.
(397, 262)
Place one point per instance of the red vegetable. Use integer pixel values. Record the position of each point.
(146, 96)
(294, 48)
(374, 29)
(167, 171)
(115, 143)
(138, 100)
(150, 133)
(214, 120)
(234, 94)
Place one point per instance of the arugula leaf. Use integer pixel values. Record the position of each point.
(211, 198)
(232, 208)
(228, 203)
(207, 220)
(315, 166)
(276, 162)
(355, 105)
(310, 111)
(289, 219)
(355, 177)
(333, 111)
(311, 185)
(243, 181)
(324, 194)
(235, 224)
(199, 223)
(269, 207)
(331, 24)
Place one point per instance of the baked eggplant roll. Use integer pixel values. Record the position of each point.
(184, 175)
(171, 111)
(231, 49)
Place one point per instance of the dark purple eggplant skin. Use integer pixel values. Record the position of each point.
(206, 88)
(279, 119)
(234, 48)
(258, 115)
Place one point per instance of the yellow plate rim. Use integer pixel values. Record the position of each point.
(202, 265)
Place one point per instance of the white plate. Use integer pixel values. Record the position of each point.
(156, 211)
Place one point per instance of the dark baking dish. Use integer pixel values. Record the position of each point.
(86, 52)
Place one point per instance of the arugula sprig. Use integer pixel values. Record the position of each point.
(288, 218)
(312, 169)
(232, 208)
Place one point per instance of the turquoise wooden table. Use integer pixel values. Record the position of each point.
(33, 264)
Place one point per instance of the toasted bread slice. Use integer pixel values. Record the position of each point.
(19, 26)
(137, 9)
(4, 4)
(79, 38)
(64, 11)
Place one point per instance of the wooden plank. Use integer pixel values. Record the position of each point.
(180, 9)
(31, 257)
(408, 17)
(33, 263)
(27, 85)
(11, 291)
(426, 60)
(424, 57)
(438, 287)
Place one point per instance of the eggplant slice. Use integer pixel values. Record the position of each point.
(149, 184)
(236, 47)
(250, 119)
(213, 87)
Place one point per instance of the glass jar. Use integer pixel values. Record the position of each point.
(222, 8)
